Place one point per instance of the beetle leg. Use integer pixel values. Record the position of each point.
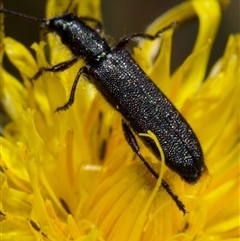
(83, 70)
(56, 68)
(131, 140)
(98, 28)
(123, 42)
(68, 7)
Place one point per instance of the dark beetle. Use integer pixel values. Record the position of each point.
(130, 91)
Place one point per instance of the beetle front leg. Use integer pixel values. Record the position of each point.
(56, 68)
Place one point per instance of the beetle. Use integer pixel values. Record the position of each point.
(130, 91)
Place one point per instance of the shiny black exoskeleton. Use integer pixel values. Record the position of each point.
(130, 91)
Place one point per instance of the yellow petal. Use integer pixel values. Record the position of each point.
(20, 57)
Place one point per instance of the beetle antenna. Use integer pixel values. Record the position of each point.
(22, 15)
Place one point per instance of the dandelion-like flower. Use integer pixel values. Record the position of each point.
(72, 176)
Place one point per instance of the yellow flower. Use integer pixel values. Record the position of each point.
(72, 176)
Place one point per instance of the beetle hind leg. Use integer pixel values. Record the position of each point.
(131, 140)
